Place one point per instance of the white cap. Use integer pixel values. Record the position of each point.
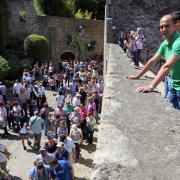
(76, 108)
(78, 94)
(60, 144)
(74, 126)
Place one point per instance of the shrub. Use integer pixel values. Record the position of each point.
(4, 68)
(36, 47)
(15, 64)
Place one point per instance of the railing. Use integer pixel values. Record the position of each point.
(146, 54)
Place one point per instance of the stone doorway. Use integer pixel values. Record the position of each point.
(67, 55)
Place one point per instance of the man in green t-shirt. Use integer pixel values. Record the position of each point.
(170, 49)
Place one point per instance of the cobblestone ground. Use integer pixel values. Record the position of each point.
(21, 161)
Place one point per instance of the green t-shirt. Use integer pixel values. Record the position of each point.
(68, 108)
(172, 48)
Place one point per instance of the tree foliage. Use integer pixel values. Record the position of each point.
(36, 47)
(4, 25)
(83, 15)
(64, 8)
(39, 7)
(4, 68)
(75, 8)
(97, 7)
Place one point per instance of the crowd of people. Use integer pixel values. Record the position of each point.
(80, 91)
(132, 43)
(77, 90)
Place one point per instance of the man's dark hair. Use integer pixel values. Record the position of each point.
(53, 162)
(176, 16)
(62, 138)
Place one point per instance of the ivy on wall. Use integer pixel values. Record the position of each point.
(77, 41)
(4, 25)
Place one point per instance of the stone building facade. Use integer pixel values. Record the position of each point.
(57, 30)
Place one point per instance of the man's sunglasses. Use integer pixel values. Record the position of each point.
(165, 26)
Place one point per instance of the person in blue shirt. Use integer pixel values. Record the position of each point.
(61, 153)
(61, 170)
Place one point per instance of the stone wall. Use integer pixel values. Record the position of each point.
(129, 14)
(20, 28)
(56, 29)
(139, 134)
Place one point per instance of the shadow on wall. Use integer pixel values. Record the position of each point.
(67, 55)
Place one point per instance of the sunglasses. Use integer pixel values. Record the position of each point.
(165, 26)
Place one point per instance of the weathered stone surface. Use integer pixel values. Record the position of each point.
(139, 133)
(130, 14)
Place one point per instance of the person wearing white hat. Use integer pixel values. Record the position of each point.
(61, 153)
(76, 100)
(43, 156)
(75, 117)
(77, 137)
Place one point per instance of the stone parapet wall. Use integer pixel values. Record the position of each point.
(139, 134)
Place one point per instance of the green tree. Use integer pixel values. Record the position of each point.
(83, 15)
(4, 26)
(36, 47)
(64, 8)
(39, 7)
(97, 7)
(4, 68)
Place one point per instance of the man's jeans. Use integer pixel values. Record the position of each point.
(136, 61)
(37, 140)
(173, 97)
(46, 126)
(167, 85)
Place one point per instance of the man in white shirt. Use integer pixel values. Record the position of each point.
(139, 43)
(60, 99)
(17, 86)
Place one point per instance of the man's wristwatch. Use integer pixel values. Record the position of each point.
(151, 87)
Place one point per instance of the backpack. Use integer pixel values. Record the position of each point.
(43, 114)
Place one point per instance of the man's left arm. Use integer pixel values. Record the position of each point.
(160, 76)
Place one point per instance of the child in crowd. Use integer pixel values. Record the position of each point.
(24, 132)
(90, 124)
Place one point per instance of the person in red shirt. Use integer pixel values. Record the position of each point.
(83, 112)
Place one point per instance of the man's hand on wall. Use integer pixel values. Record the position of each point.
(132, 77)
(144, 89)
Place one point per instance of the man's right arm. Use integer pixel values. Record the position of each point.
(153, 61)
